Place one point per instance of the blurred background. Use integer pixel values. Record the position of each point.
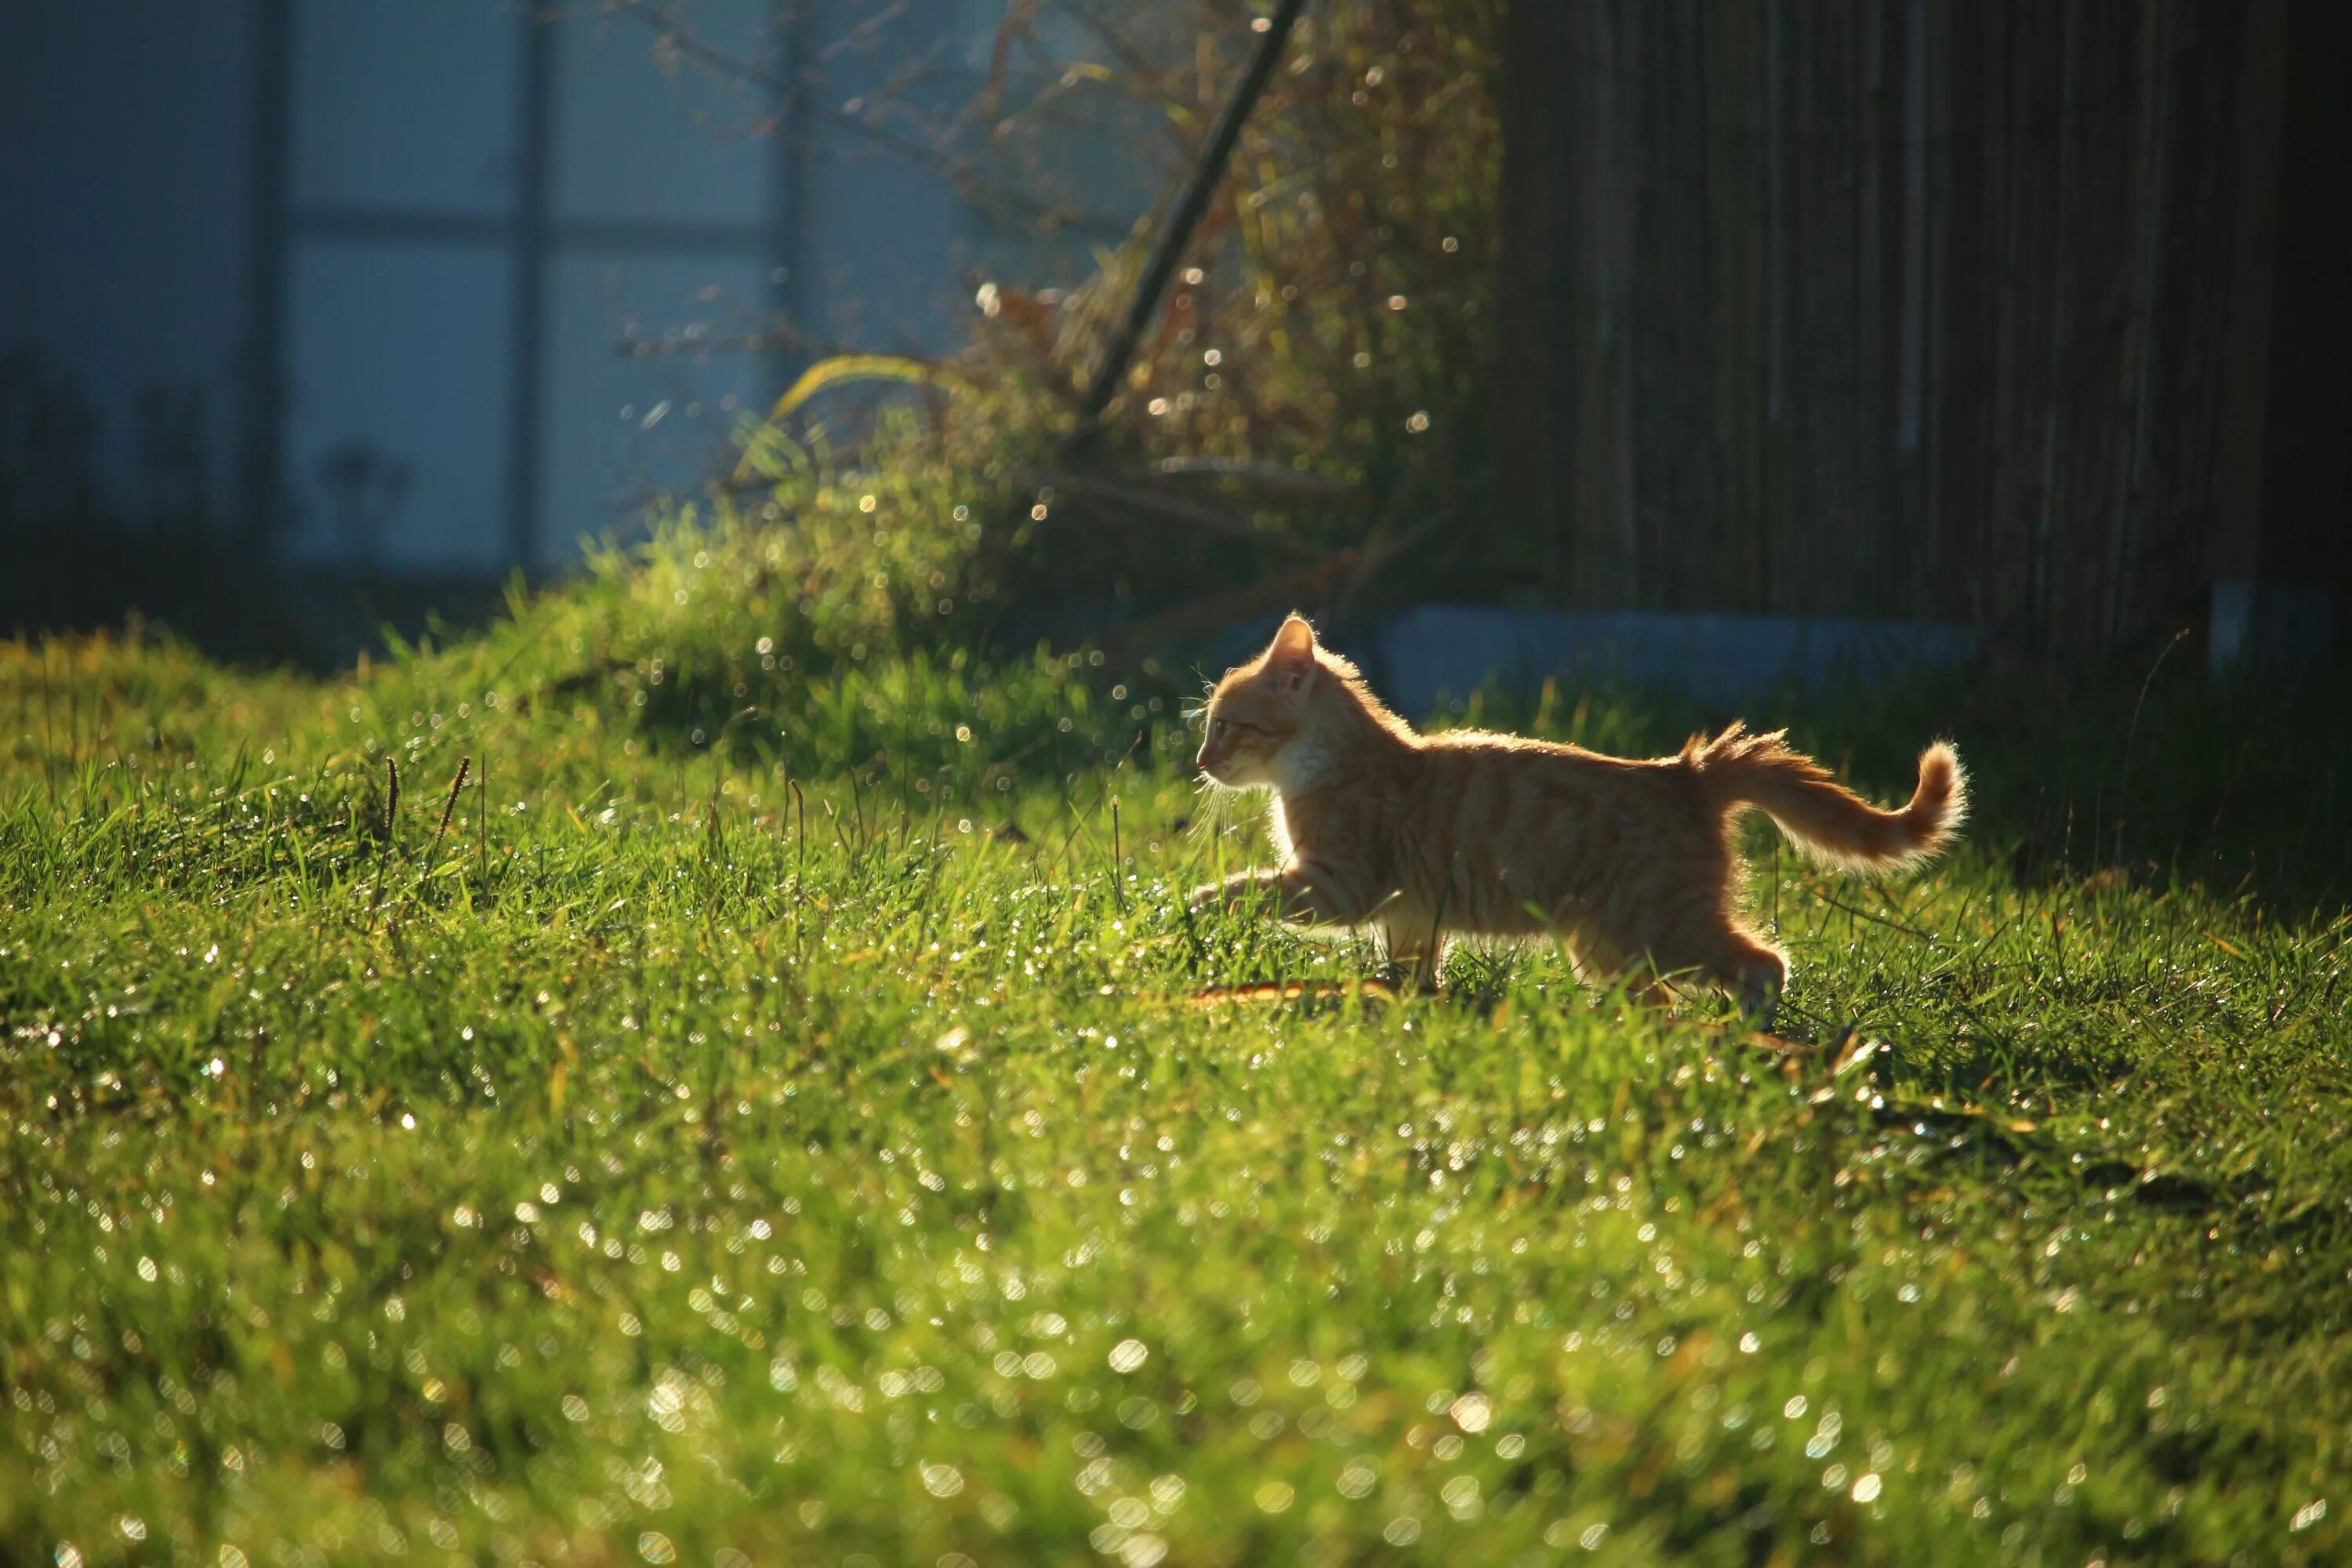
(394, 299)
(1510, 336)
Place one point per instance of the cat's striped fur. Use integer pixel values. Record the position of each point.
(1423, 839)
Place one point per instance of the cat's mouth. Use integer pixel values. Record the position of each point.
(1224, 775)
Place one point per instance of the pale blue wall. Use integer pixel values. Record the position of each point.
(405, 104)
(126, 203)
(123, 204)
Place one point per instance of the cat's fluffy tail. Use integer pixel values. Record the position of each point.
(1828, 821)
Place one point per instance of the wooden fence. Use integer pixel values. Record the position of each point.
(1942, 308)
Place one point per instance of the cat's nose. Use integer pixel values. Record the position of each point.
(1201, 759)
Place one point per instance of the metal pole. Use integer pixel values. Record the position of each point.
(268, 155)
(531, 259)
(1188, 208)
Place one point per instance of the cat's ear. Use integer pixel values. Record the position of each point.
(1291, 660)
(1295, 640)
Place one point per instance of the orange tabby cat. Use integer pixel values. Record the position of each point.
(1425, 838)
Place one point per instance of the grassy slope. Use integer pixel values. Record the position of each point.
(638, 1178)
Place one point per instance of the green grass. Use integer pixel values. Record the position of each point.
(682, 1161)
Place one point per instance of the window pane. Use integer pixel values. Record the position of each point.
(408, 106)
(621, 427)
(397, 419)
(639, 137)
(122, 250)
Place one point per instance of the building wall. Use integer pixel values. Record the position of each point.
(123, 195)
(525, 279)
(1943, 308)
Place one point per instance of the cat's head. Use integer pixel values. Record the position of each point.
(1260, 710)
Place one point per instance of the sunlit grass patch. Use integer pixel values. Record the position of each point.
(700, 1149)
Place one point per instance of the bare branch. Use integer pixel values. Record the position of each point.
(959, 173)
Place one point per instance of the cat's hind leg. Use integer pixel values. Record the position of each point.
(1713, 950)
(1417, 949)
(1750, 970)
(1599, 965)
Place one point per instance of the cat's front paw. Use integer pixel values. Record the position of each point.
(1244, 891)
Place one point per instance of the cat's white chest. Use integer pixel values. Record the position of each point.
(1277, 823)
